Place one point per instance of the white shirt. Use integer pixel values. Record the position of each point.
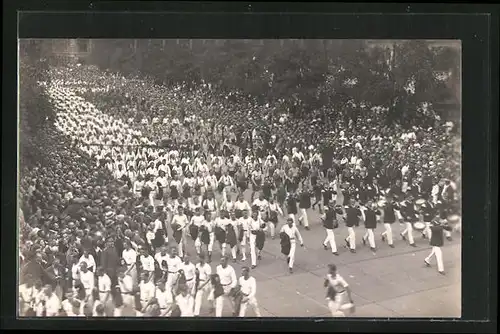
(104, 283)
(150, 235)
(87, 280)
(242, 205)
(27, 294)
(197, 220)
(254, 225)
(248, 286)
(209, 225)
(210, 203)
(165, 298)
(222, 222)
(292, 232)
(160, 258)
(275, 207)
(176, 184)
(180, 219)
(130, 256)
(204, 271)
(162, 180)
(89, 261)
(261, 204)
(147, 262)
(186, 305)
(189, 270)
(174, 264)
(158, 225)
(245, 223)
(75, 271)
(126, 285)
(337, 282)
(68, 308)
(52, 305)
(147, 291)
(227, 275)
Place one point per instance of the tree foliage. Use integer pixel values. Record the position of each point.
(305, 75)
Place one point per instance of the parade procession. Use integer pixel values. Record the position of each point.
(136, 209)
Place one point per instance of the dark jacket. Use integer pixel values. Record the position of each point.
(110, 260)
(371, 218)
(353, 215)
(437, 235)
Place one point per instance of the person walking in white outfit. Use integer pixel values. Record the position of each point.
(337, 291)
(291, 230)
(203, 273)
(437, 241)
(248, 288)
(330, 223)
(228, 280)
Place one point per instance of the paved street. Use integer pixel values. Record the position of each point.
(391, 283)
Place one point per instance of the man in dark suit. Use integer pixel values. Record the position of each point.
(56, 274)
(438, 227)
(352, 216)
(110, 261)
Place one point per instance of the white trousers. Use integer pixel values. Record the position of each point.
(370, 236)
(351, 238)
(272, 229)
(198, 300)
(243, 244)
(253, 254)
(330, 238)
(190, 286)
(427, 230)
(225, 247)
(219, 301)
(291, 255)
(303, 217)
(128, 301)
(439, 257)
(180, 248)
(171, 280)
(152, 198)
(197, 245)
(408, 231)
(250, 302)
(388, 233)
(334, 306)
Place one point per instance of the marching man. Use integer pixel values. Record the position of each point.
(203, 273)
(179, 224)
(228, 281)
(389, 214)
(372, 216)
(126, 286)
(330, 223)
(173, 264)
(254, 227)
(437, 241)
(292, 232)
(337, 289)
(243, 233)
(189, 270)
(194, 229)
(248, 289)
(352, 216)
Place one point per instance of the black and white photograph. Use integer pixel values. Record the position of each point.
(239, 178)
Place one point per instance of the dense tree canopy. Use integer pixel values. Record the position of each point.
(305, 74)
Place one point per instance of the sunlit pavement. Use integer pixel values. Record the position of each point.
(393, 282)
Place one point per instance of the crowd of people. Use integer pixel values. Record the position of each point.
(134, 175)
